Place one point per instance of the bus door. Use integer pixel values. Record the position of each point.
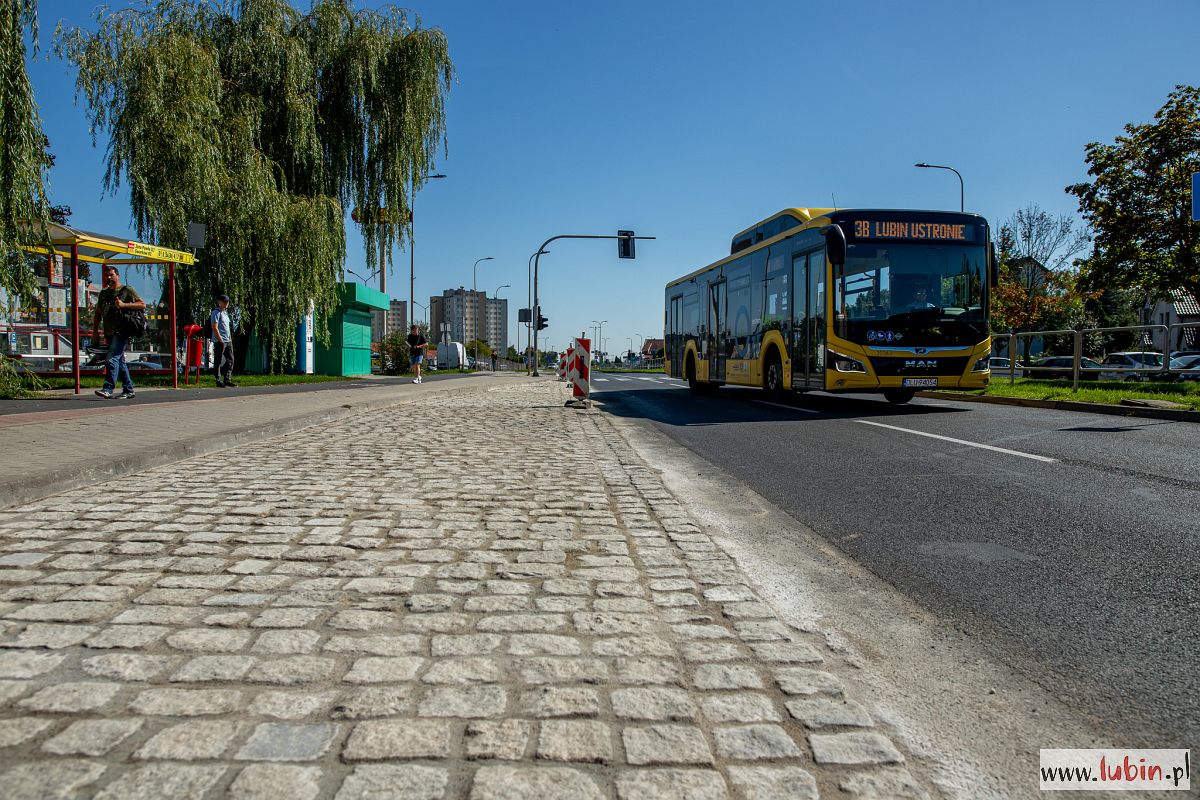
(675, 335)
(719, 336)
(808, 328)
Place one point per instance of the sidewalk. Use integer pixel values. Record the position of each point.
(68, 449)
(508, 605)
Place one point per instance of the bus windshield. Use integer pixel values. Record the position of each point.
(910, 295)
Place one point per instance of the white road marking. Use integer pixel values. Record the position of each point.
(961, 441)
(652, 380)
(789, 408)
(600, 380)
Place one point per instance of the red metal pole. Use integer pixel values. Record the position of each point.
(174, 343)
(75, 312)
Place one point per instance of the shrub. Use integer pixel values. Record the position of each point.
(393, 352)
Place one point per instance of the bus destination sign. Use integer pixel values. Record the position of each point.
(924, 231)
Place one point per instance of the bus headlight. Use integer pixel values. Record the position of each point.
(845, 363)
(982, 365)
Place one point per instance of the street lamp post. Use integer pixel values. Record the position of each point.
(600, 334)
(498, 288)
(474, 274)
(423, 308)
(412, 246)
(923, 165)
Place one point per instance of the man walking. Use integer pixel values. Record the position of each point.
(113, 299)
(416, 350)
(222, 342)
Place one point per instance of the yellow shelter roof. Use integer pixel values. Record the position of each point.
(103, 248)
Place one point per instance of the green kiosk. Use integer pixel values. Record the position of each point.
(349, 348)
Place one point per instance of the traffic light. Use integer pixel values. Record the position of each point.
(625, 244)
(543, 323)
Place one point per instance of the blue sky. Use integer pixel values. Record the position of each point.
(690, 121)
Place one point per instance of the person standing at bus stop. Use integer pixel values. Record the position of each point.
(113, 299)
(416, 350)
(222, 336)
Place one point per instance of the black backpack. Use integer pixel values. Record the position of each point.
(131, 321)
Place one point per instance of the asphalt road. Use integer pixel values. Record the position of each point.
(1065, 543)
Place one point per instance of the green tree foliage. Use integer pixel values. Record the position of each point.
(1038, 287)
(481, 347)
(24, 159)
(1139, 203)
(267, 124)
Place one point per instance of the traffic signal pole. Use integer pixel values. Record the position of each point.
(536, 312)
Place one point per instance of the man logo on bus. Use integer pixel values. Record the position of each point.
(928, 363)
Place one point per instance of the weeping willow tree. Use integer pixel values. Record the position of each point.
(24, 159)
(266, 123)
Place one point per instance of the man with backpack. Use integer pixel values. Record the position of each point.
(113, 308)
(222, 337)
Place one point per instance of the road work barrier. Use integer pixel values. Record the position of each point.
(579, 371)
(564, 363)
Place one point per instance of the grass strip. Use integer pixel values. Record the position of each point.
(1111, 392)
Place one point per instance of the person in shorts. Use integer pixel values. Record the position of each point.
(416, 350)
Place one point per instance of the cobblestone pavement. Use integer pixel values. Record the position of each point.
(478, 595)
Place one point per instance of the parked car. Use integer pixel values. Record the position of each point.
(1187, 362)
(1120, 366)
(1064, 369)
(1184, 354)
(1001, 365)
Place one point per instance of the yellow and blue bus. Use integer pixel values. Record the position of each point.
(839, 300)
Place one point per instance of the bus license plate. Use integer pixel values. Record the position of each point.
(921, 382)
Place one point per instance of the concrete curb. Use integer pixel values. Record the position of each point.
(1069, 405)
(37, 486)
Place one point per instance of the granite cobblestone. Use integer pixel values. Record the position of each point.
(397, 614)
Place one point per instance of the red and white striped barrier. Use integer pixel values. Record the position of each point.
(564, 363)
(580, 370)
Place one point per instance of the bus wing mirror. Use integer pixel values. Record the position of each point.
(993, 267)
(835, 244)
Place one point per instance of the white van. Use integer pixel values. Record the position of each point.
(451, 355)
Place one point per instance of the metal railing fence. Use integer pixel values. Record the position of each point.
(1157, 333)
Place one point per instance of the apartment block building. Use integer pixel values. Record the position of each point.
(390, 321)
(460, 315)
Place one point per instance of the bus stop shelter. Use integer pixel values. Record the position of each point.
(72, 247)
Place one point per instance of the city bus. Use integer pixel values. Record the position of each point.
(839, 300)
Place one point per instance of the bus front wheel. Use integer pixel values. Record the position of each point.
(898, 397)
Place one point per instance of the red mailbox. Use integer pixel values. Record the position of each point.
(194, 351)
